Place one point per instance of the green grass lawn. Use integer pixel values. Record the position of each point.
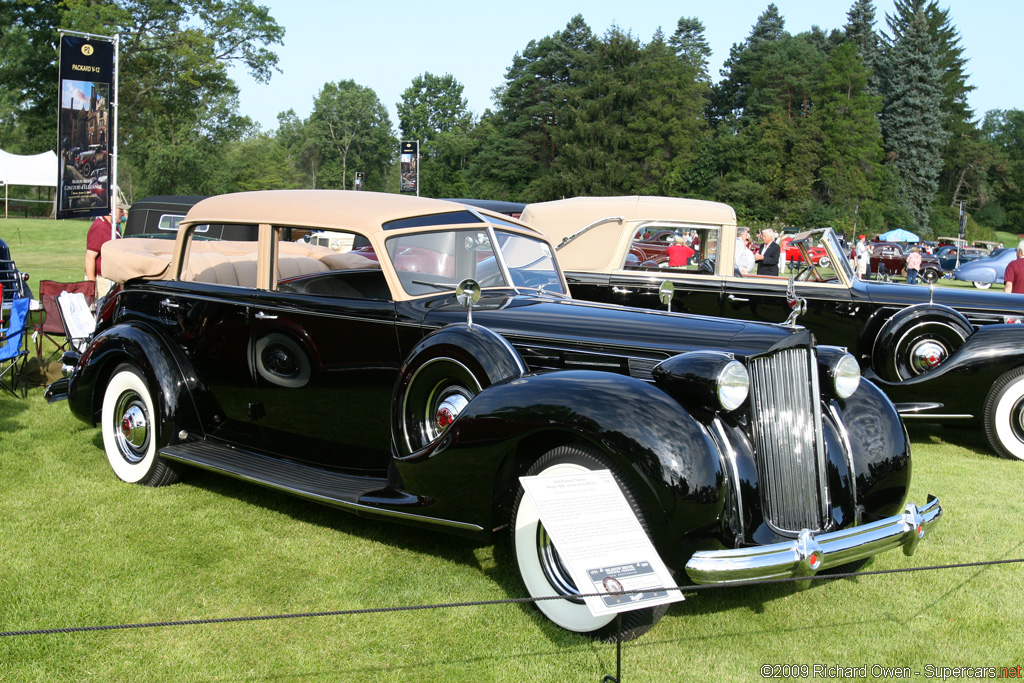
(80, 548)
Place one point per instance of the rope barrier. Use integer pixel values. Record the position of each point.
(505, 601)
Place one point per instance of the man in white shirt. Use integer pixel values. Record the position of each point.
(744, 259)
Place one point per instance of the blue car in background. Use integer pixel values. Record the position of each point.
(947, 256)
(985, 272)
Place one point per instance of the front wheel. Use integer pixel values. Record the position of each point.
(930, 276)
(131, 432)
(1004, 415)
(542, 570)
(982, 285)
(824, 262)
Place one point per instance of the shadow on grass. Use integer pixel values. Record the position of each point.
(969, 437)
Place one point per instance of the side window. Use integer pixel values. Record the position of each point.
(331, 266)
(689, 249)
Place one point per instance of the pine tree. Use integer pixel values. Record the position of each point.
(729, 96)
(692, 47)
(912, 114)
(531, 108)
(860, 28)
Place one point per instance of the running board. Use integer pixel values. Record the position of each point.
(290, 477)
(365, 496)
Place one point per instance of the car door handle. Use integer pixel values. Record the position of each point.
(621, 290)
(737, 298)
(167, 303)
(260, 315)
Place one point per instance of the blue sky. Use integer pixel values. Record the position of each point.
(384, 45)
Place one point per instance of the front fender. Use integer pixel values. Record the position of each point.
(668, 455)
(879, 449)
(959, 386)
(161, 364)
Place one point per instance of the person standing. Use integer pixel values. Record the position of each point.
(1014, 276)
(913, 265)
(100, 232)
(744, 259)
(863, 258)
(679, 254)
(768, 257)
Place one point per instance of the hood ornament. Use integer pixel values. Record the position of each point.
(797, 306)
(467, 294)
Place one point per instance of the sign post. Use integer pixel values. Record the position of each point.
(87, 125)
(409, 167)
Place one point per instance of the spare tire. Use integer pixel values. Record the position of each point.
(917, 339)
(445, 371)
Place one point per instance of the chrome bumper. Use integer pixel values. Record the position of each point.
(809, 554)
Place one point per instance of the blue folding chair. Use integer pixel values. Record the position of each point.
(14, 349)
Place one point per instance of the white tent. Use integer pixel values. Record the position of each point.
(41, 170)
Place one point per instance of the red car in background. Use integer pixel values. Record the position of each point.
(819, 256)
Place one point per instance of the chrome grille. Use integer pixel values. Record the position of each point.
(788, 443)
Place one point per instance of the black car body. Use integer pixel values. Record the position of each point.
(369, 385)
(945, 355)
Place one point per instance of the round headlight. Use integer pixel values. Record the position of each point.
(733, 385)
(846, 376)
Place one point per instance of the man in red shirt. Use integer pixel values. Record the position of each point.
(1014, 276)
(679, 254)
(100, 232)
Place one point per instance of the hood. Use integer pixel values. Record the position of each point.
(618, 330)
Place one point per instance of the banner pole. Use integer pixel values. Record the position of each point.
(115, 187)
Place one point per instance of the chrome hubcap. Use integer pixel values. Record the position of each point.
(554, 569)
(449, 403)
(927, 355)
(132, 428)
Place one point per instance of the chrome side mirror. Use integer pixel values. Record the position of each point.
(665, 294)
(467, 294)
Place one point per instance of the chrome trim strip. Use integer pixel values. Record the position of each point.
(936, 416)
(725, 446)
(334, 502)
(844, 434)
(569, 238)
(819, 435)
(809, 554)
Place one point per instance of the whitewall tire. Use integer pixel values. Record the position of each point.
(1004, 415)
(131, 430)
(541, 569)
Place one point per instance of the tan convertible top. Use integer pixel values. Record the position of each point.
(324, 209)
(564, 217)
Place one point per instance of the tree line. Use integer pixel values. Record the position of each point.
(864, 127)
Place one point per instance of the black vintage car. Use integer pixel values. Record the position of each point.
(418, 378)
(942, 354)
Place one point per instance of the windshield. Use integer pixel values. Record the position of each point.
(432, 262)
(840, 260)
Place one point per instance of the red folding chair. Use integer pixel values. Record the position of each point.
(52, 327)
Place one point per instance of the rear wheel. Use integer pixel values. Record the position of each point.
(824, 262)
(1003, 416)
(131, 433)
(982, 285)
(540, 566)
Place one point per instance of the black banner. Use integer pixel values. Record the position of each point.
(85, 128)
(410, 166)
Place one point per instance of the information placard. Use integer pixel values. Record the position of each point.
(600, 541)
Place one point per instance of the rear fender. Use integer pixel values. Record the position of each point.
(166, 369)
